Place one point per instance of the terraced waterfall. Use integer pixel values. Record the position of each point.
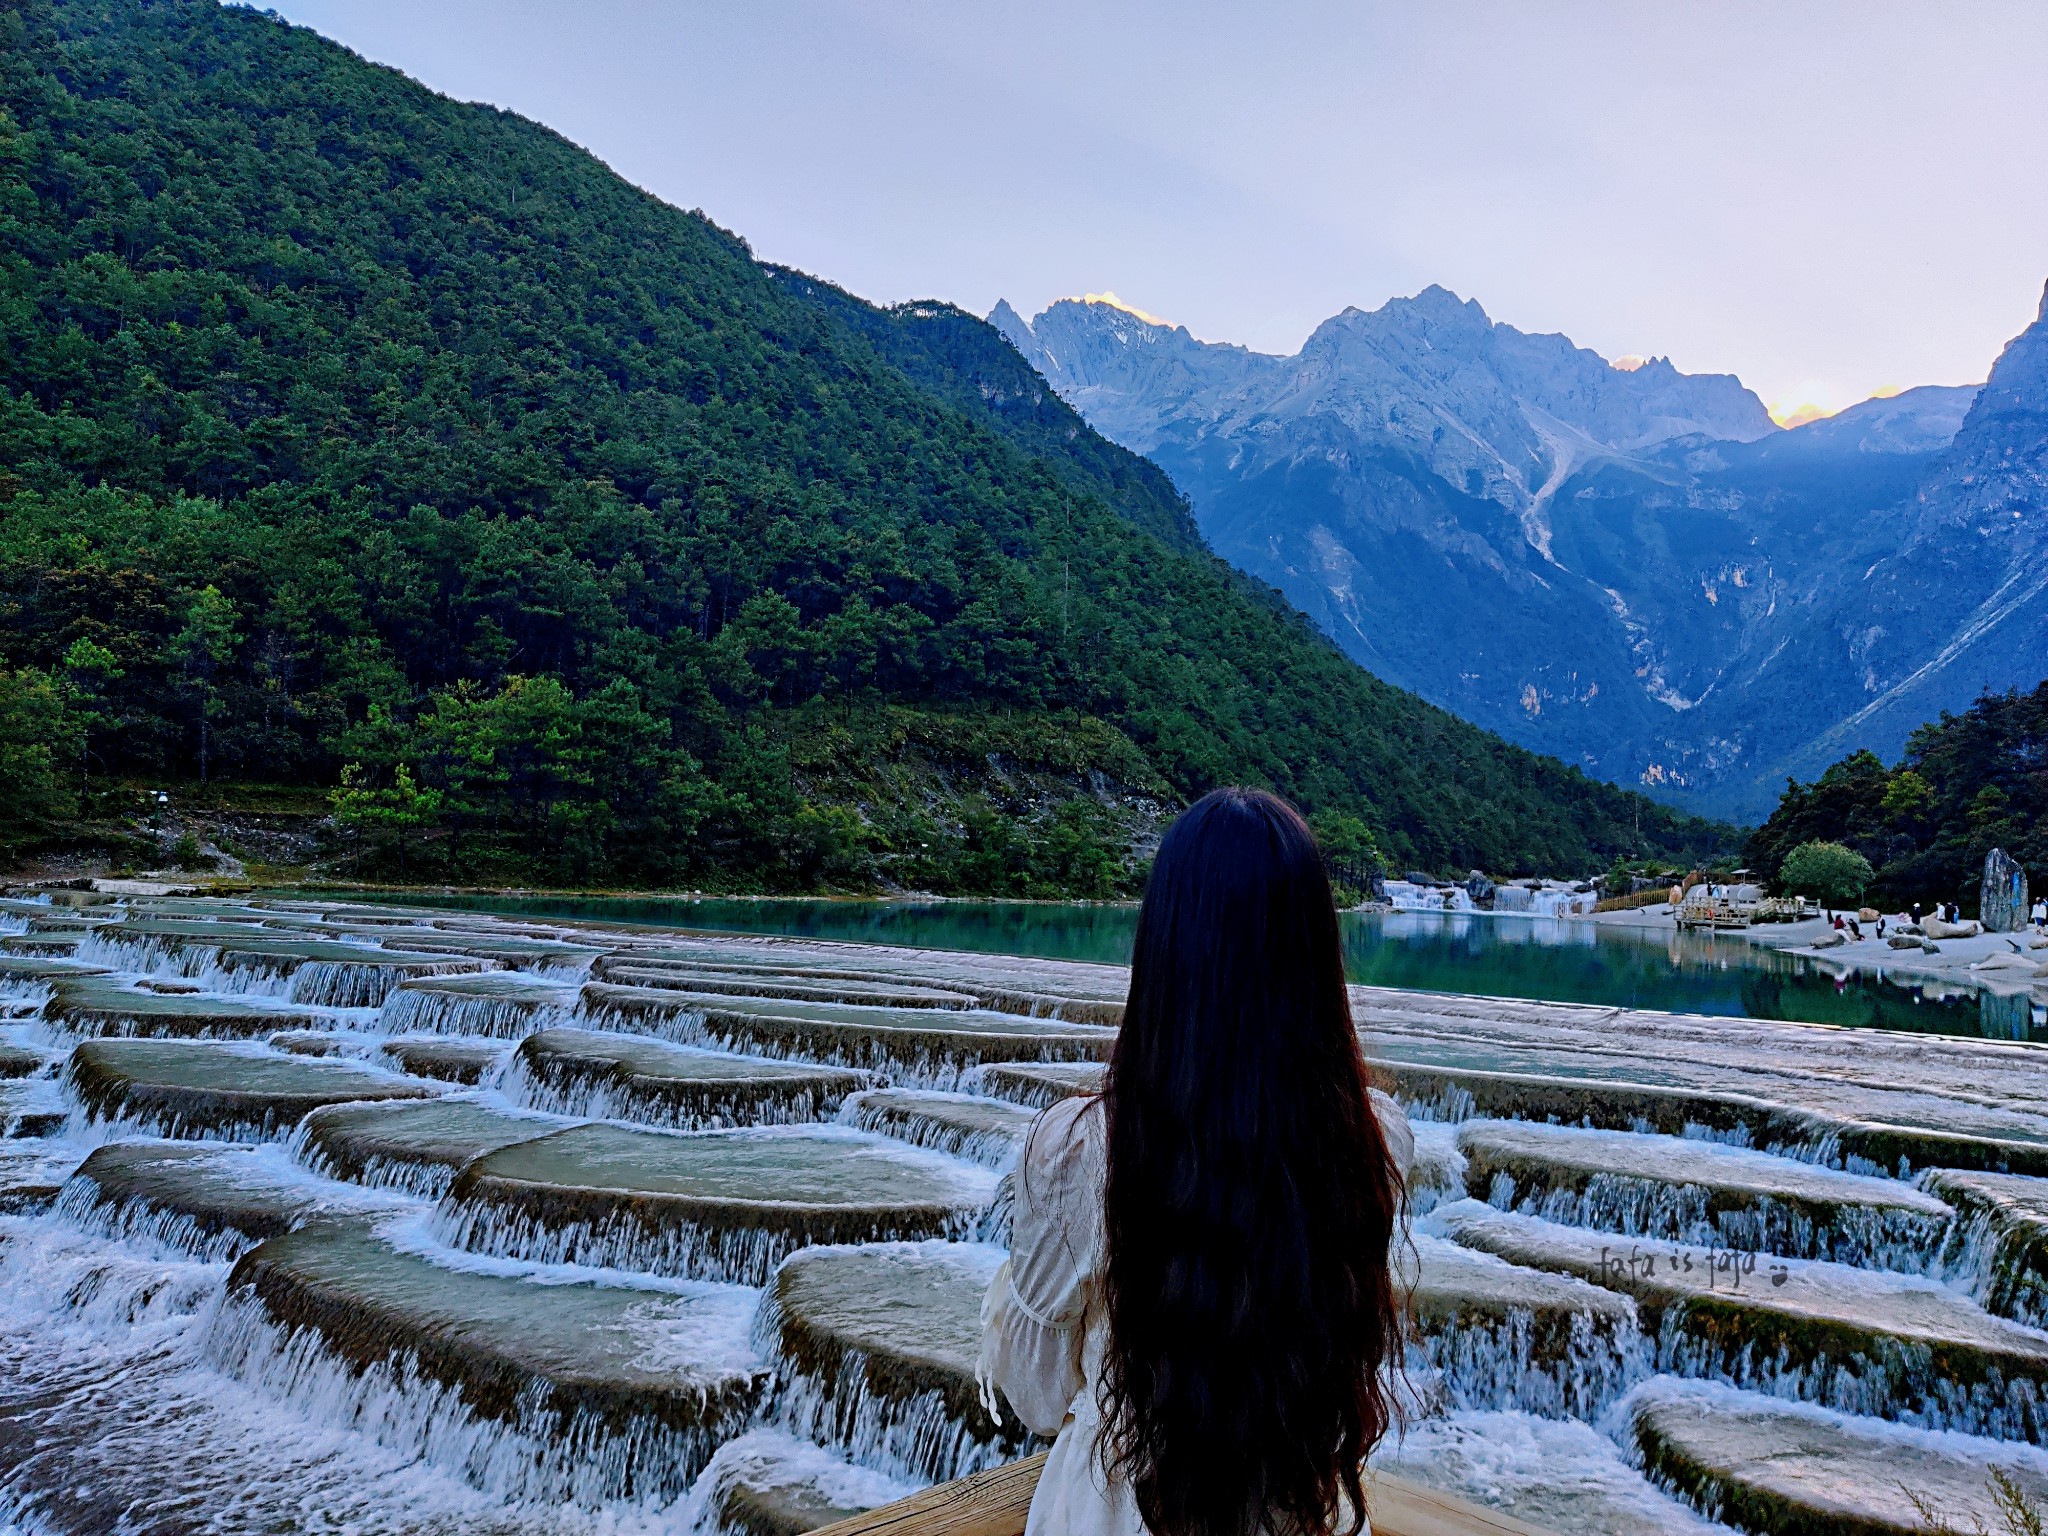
(332, 1216)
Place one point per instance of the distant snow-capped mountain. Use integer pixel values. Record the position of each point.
(1613, 562)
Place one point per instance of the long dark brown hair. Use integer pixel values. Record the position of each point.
(1251, 1197)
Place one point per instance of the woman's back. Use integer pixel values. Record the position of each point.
(1199, 1273)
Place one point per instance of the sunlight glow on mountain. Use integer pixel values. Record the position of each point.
(1108, 297)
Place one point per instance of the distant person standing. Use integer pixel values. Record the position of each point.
(1916, 914)
(2040, 913)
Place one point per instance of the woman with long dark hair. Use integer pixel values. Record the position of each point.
(1199, 1301)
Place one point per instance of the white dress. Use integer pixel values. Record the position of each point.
(1043, 1323)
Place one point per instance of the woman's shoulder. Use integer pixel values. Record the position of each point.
(1071, 1132)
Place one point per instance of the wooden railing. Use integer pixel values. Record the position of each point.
(995, 1502)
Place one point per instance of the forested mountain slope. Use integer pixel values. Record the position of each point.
(349, 433)
(1964, 785)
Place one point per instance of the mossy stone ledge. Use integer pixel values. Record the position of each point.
(308, 1042)
(503, 1005)
(417, 1146)
(604, 1074)
(193, 1088)
(594, 1394)
(1459, 1093)
(1694, 1191)
(209, 1200)
(983, 1130)
(1785, 1469)
(874, 1350)
(719, 1205)
(102, 1008)
(32, 1173)
(1864, 1342)
(809, 989)
(1036, 1085)
(931, 1047)
(2001, 1240)
(446, 1058)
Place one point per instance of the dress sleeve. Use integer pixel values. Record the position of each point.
(1033, 1319)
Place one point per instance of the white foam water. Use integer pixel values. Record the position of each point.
(509, 1016)
(687, 1023)
(1558, 1475)
(772, 1457)
(734, 1255)
(1496, 1367)
(544, 1455)
(604, 1099)
(115, 1420)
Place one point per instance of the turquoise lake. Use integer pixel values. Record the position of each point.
(1571, 961)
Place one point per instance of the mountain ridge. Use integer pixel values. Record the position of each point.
(1612, 564)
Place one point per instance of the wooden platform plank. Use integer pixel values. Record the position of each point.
(995, 1503)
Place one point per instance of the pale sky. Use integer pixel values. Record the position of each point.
(1827, 199)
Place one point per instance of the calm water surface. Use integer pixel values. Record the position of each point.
(1547, 960)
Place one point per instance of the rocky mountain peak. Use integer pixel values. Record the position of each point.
(1623, 562)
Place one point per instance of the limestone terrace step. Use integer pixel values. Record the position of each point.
(773, 985)
(983, 1130)
(932, 1046)
(1037, 1085)
(1857, 1339)
(884, 1337)
(1699, 1191)
(96, 1006)
(605, 1392)
(606, 1074)
(417, 1146)
(190, 1088)
(450, 1058)
(1786, 1469)
(2003, 1236)
(209, 1200)
(721, 1205)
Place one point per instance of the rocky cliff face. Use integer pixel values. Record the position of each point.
(1629, 566)
(1958, 602)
